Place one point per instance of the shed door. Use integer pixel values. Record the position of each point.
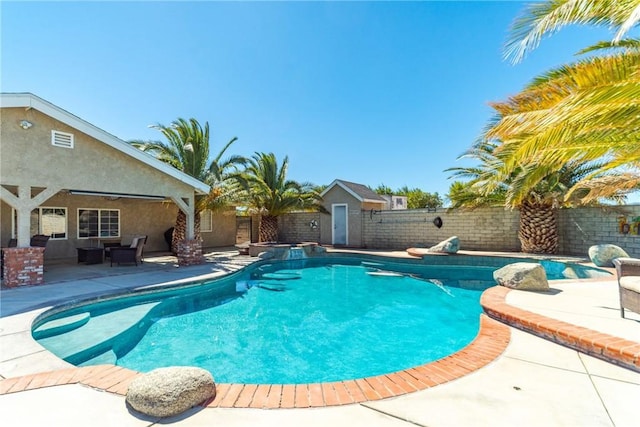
(339, 220)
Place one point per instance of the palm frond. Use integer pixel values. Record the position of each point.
(546, 18)
(629, 44)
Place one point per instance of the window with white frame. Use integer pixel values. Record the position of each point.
(98, 223)
(206, 221)
(49, 221)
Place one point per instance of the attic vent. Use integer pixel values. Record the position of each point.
(61, 139)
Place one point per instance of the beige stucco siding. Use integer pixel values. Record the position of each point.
(29, 158)
(5, 224)
(337, 195)
(29, 161)
(137, 217)
(223, 230)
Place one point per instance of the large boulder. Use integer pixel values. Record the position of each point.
(526, 276)
(603, 255)
(165, 392)
(449, 246)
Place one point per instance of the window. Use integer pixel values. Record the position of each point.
(51, 222)
(98, 223)
(206, 220)
(61, 139)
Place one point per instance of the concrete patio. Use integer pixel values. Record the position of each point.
(534, 382)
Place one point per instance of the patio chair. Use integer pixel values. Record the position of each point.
(628, 270)
(129, 254)
(39, 240)
(107, 247)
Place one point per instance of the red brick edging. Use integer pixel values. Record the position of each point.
(612, 349)
(491, 341)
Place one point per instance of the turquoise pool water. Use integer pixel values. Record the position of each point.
(316, 320)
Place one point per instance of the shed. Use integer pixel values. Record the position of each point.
(345, 201)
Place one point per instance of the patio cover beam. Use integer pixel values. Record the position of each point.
(23, 203)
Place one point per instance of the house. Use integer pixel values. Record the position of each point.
(66, 178)
(395, 202)
(345, 201)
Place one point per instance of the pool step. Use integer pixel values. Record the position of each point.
(272, 286)
(282, 275)
(371, 264)
(381, 273)
(60, 326)
(98, 334)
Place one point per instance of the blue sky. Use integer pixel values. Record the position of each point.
(371, 92)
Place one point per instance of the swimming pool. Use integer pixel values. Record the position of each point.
(337, 318)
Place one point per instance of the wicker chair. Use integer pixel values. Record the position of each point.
(107, 247)
(628, 270)
(129, 254)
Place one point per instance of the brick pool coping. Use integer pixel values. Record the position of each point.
(619, 351)
(491, 341)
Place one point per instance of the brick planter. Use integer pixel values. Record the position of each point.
(190, 252)
(23, 266)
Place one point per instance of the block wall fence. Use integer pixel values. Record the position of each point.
(488, 229)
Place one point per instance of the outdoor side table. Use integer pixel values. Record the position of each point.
(90, 255)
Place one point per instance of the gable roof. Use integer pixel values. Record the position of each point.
(29, 100)
(359, 191)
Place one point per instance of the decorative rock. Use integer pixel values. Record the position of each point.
(449, 246)
(603, 255)
(165, 392)
(527, 276)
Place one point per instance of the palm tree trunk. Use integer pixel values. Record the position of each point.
(179, 231)
(196, 226)
(538, 232)
(268, 228)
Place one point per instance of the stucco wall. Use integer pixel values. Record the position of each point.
(28, 158)
(5, 224)
(137, 217)
(223, 230)
(493, 229)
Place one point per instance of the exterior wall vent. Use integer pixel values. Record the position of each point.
(61, 139)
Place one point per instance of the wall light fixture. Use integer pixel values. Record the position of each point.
(25, 124)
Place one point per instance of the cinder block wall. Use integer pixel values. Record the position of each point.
(490, 229)
(487, 229)
(300, 227)
(581, 228)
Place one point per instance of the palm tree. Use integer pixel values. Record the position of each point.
(489, 186)
(187, 149)
(572, 136)
(269, 193)
(588, 110)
